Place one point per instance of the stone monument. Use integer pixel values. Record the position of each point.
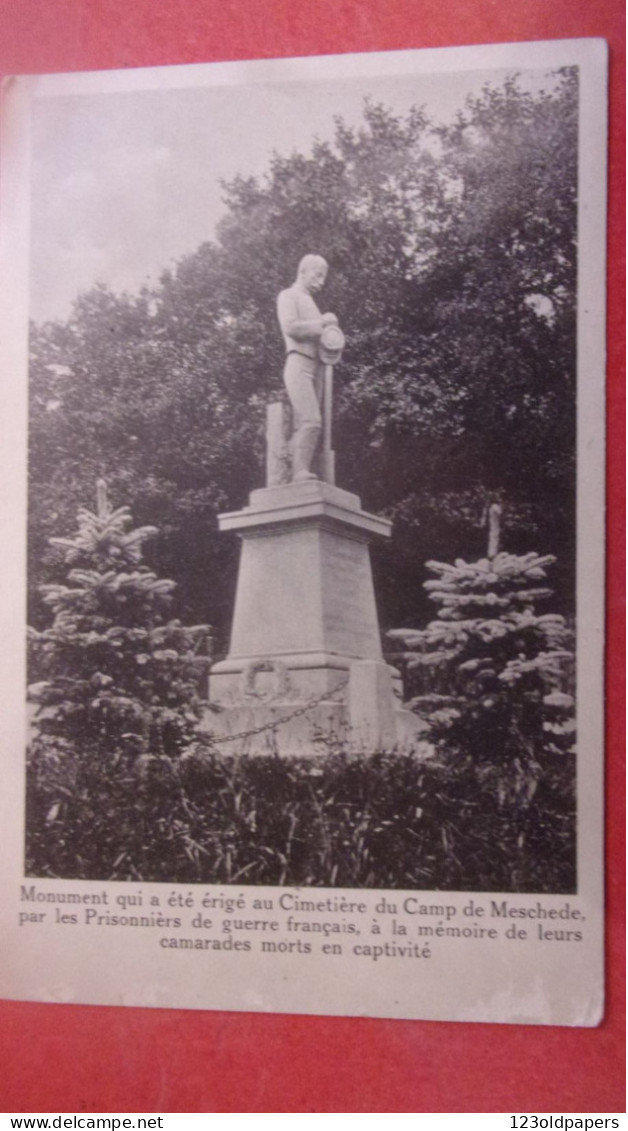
(305, 663)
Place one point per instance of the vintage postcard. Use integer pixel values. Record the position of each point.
(302, 492)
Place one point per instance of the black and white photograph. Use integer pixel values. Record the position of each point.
(309, 606)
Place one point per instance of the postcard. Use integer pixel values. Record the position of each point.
(303, 502)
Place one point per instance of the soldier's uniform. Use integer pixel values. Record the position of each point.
(302, 325)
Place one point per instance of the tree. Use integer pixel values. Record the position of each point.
(115, 675)
(499, 673)
(452, 269)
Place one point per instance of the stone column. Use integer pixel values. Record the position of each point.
(278, 463)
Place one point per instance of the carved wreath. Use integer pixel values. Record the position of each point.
(281, 686)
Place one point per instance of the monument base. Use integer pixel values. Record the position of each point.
(289, 728)
(296, 729)
(305, 666)
(359, 708)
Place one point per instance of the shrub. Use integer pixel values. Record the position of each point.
(383, 821)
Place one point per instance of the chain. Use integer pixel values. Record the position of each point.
(327, 695)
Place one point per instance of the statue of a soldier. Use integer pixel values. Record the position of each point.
(304, 330)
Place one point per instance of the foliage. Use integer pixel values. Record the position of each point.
(498, 670)
(385, 821)
(452, 251)
(115, 674)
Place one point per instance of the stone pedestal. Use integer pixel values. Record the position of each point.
(304, 615)
(305, 599)
(371, 706)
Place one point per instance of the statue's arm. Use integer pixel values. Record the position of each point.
(301, 329)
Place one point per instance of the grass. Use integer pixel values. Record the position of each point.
(378, 821)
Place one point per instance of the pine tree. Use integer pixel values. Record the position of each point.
(119, 677)
(498, 671)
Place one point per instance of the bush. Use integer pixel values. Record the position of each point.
(385, 821)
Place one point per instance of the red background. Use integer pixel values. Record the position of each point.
(78, 1058)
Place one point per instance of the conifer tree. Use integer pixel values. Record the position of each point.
(117, 675)
(497, 673)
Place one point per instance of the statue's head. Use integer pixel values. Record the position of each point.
(312, 272)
